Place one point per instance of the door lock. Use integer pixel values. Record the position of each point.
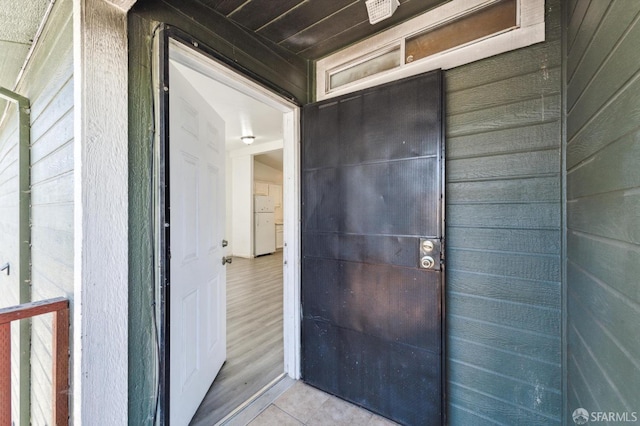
(226, 260)
(430, 254)
(427, 262)
(225, 243)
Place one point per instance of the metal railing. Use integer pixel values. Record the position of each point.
(59, 307)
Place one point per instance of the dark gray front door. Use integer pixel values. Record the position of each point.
(372, 195)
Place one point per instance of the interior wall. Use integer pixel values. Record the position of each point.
(264, 173)
(503, 235)
(242, 205)
(603, 201)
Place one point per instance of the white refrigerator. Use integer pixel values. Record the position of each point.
(264, 233)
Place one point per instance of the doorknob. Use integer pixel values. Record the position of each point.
(430, 254)
(427, 262)
(226, 260)
(6, 267)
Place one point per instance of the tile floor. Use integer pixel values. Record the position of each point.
(302, 404)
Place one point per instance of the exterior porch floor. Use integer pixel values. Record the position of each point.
(294, 403)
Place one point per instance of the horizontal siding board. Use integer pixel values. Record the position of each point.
(523, 164)
(578, 389)
(534, 111)
(614, 74)
(538, 397)
(519, 367)
(9, 180)
(49, 288)
(535, 267)
(55, 92)
(586, 32)
(519, 139)
(618, 118)
(516, 316)
(54, 252)
(532, 190)
(60, 133)
(613, 25)
(611, 169)
(612, 377)
(57, 163)
(503, 412)
(54, 217)
(57, 108)
(511, 240)
(575, 21)
(612, 215)
(606, 308)
(515, 89)
(544, 294)
(517, 62)
(53, 191)
(504, 337)
(613, 263)
(458, 415)
(522, 216)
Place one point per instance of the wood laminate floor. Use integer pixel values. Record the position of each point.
(255, 354)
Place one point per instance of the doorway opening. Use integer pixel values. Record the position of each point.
(247, 109)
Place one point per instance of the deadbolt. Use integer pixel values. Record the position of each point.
(427, 262)
(427, 246)
(430, 253)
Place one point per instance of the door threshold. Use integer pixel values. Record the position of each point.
(259, 401)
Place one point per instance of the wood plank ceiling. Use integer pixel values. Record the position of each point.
(313, 28)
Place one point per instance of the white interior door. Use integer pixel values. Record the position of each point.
(197, 315)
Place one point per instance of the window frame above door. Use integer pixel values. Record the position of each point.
(529, 29)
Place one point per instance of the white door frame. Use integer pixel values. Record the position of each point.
(198, 61)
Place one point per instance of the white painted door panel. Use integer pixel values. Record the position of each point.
(197, 321)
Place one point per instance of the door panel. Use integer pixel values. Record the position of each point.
(372, 188)
(197, 328)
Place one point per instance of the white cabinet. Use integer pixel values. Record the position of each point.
(275, 192)
(260, 188)
(279, 236)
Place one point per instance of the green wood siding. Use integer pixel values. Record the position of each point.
(142, 346)
(503, 235)
(603, 201)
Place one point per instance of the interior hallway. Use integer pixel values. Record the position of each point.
(255, 354)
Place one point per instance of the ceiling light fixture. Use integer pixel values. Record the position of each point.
(379, 10)
(248, 139)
